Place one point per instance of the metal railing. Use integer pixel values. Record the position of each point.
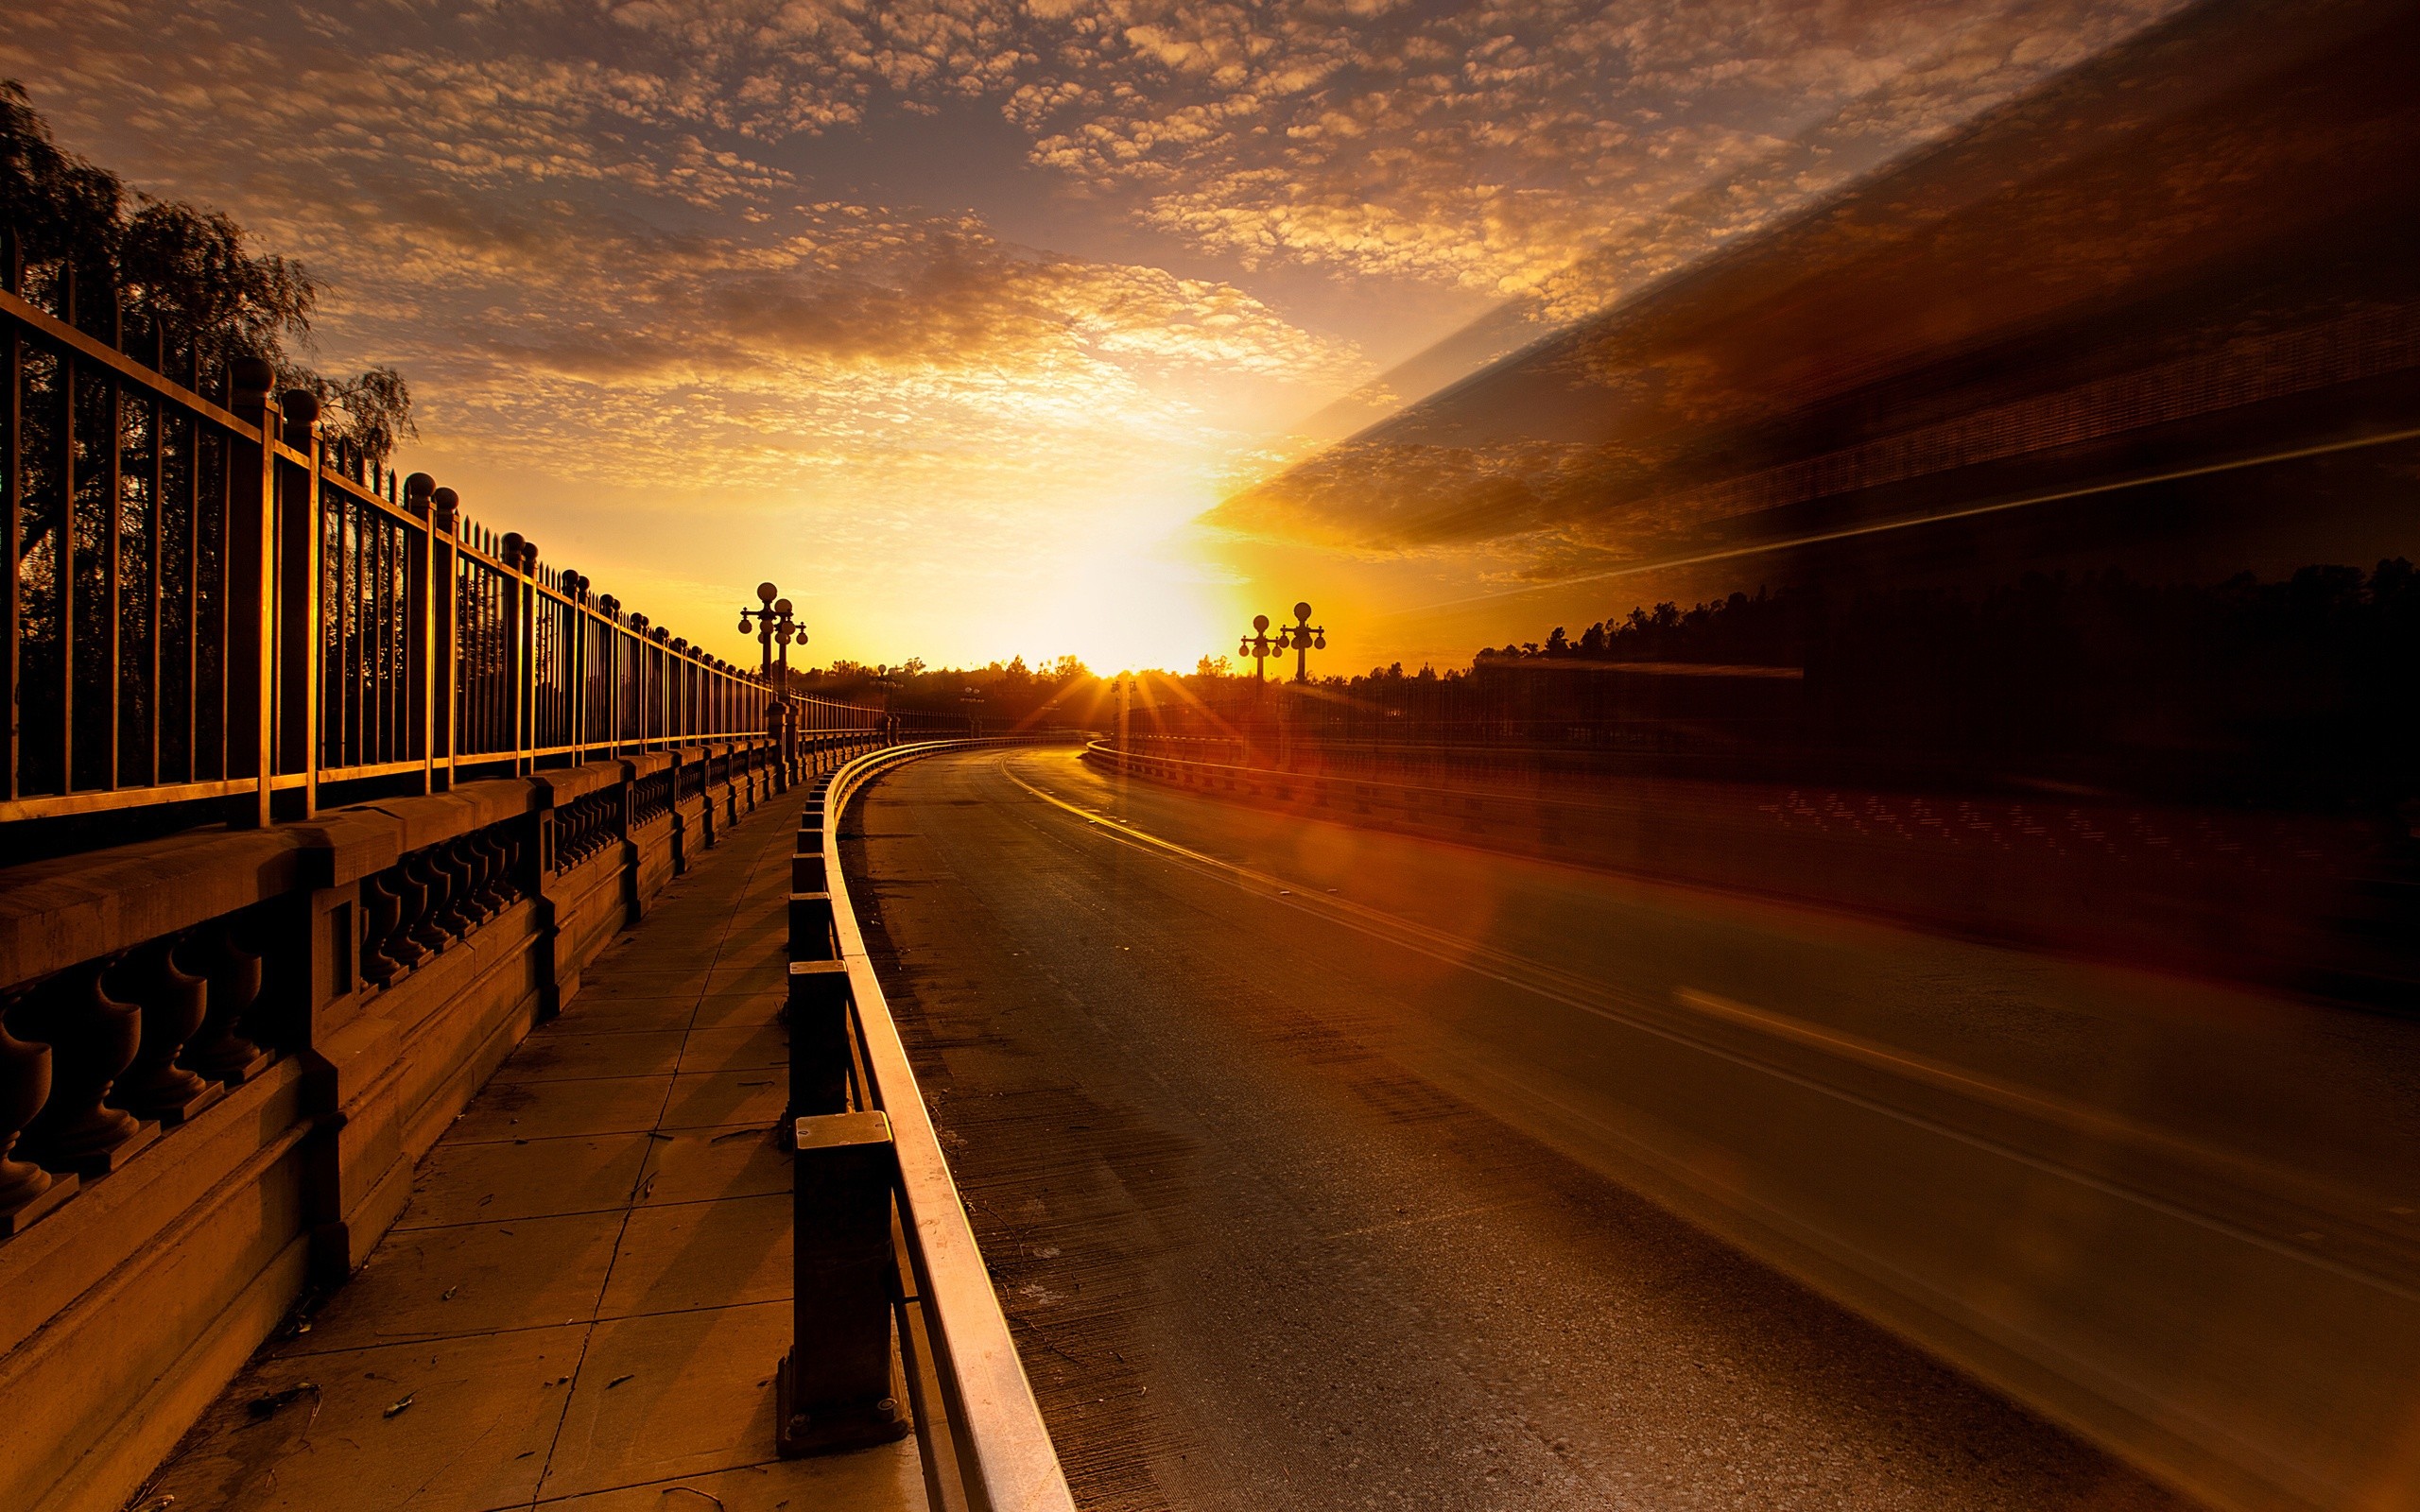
(207, 601)
(896, 1317)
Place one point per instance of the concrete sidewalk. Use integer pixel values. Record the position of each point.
(583, 1304)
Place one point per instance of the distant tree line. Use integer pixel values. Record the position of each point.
(1011, 693)
(2302, 690)
(172, 282)
(1766, 629)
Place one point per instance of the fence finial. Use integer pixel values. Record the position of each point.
(248, 381)
(302, 409)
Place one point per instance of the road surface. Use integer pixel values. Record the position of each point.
(1258, 1121)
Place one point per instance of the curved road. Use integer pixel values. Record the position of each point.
(1257, 1121)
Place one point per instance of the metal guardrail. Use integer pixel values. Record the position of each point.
(895, 1315)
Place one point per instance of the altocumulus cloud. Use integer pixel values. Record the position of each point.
(582, 227)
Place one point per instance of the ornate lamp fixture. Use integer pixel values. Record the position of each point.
(1302, 637)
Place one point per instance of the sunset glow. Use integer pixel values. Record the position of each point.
(965, 310)
(882, 755)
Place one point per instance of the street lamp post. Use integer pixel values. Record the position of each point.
(774, 627)
(885, 685)
(786, 634)
(1302, 637)
(1260, 646)
(767, 618)
(971, 697)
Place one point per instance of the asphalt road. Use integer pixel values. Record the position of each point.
(1248, 1111)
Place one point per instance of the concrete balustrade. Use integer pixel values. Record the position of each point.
(222, 1053)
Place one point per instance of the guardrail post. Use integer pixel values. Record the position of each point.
(838, 1388)
(811, 929)
(818, 1010)
(806, 871)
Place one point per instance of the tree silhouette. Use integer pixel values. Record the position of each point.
(119, 263)
(2303, 691)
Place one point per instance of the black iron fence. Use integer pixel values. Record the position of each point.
(210, 602)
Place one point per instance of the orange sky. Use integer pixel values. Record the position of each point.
(955, 317)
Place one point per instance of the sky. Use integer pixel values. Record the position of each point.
(959, 320)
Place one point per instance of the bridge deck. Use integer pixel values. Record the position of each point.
(1303, 1154)
(583, 1303)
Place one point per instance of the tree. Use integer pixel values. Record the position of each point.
(101, 256)
(370, 413)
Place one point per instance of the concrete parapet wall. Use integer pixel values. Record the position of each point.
(300, 1010)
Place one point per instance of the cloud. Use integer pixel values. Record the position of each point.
(588, 230)
(505, 224)
(1985, 321)
(1549, 150)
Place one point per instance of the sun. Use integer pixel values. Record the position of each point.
(1134, 604)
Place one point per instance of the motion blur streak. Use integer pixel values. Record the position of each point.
(1288, 1142)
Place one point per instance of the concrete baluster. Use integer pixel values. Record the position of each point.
(26, 1191)
(571, 833)
(497, 890)
(592, 823)
(93, 1038)
(500, 866)
(220, 1049)
(519, 878)
(453, 911)
(471, 859)
(454, 862)
(497, 882)
(174, 1002)
(411, 893)
(500, 851)
(382, 918)
(431, 886)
